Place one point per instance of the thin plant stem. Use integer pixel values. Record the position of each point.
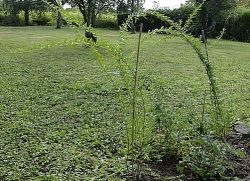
(144, 114)
(134, 96)
(205, 43)
(213, 89)
(203, 110)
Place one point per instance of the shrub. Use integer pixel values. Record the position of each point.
(238, 27)
(179, 14)
(72, 15)
(8, 20)
(208, 160)
(107, 20)
(121, 18)
(42, 21)
(102, 23)
(2, 19)
(150, 21)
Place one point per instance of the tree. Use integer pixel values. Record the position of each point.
(156, 4)
(122, 7)
(30, 5)
(212, 12)
(91, 8)
(26, 12)
(11, 8)
(3, 5)
(134, 7)
(244, 3)
(57, 6)
(14, 7)
(129, 6)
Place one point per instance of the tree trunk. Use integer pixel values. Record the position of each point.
(26, 13)
(14, 13)
(84, 14)
(14, 18)
(4, 4)
(132, 6)
(59, 20)
(26, 17)
(89, 13)
(133, 30)
(93, 14)
(138, 6)
(213, 26)
(88, 19)
(93, 19)
(204, 20)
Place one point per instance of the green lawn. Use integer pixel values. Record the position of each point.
(59, 118)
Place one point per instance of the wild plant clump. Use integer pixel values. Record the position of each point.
(152, 133)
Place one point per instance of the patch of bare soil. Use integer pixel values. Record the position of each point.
(166, 170)
(242, 165)
(5, 33)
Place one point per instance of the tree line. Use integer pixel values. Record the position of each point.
(88, 8)
(213, 17)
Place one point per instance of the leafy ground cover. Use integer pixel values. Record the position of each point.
(60, 118)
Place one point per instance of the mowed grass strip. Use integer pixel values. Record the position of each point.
(59, 115)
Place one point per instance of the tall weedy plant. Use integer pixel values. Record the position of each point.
(126, 78)
(134, 121)
(182, 31)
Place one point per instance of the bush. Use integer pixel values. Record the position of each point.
(102, 23)
(8, 20)
(2, 19)
(72, 16)
(238, 27)
(108, 20)
(150, 21)
(179, 14)
(208, 160)
(121, 18)
(41, 21)
(36, 18)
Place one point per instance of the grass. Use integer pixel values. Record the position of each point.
(59, 115)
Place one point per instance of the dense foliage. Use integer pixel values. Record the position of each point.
(11, 9)
(238, 26)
